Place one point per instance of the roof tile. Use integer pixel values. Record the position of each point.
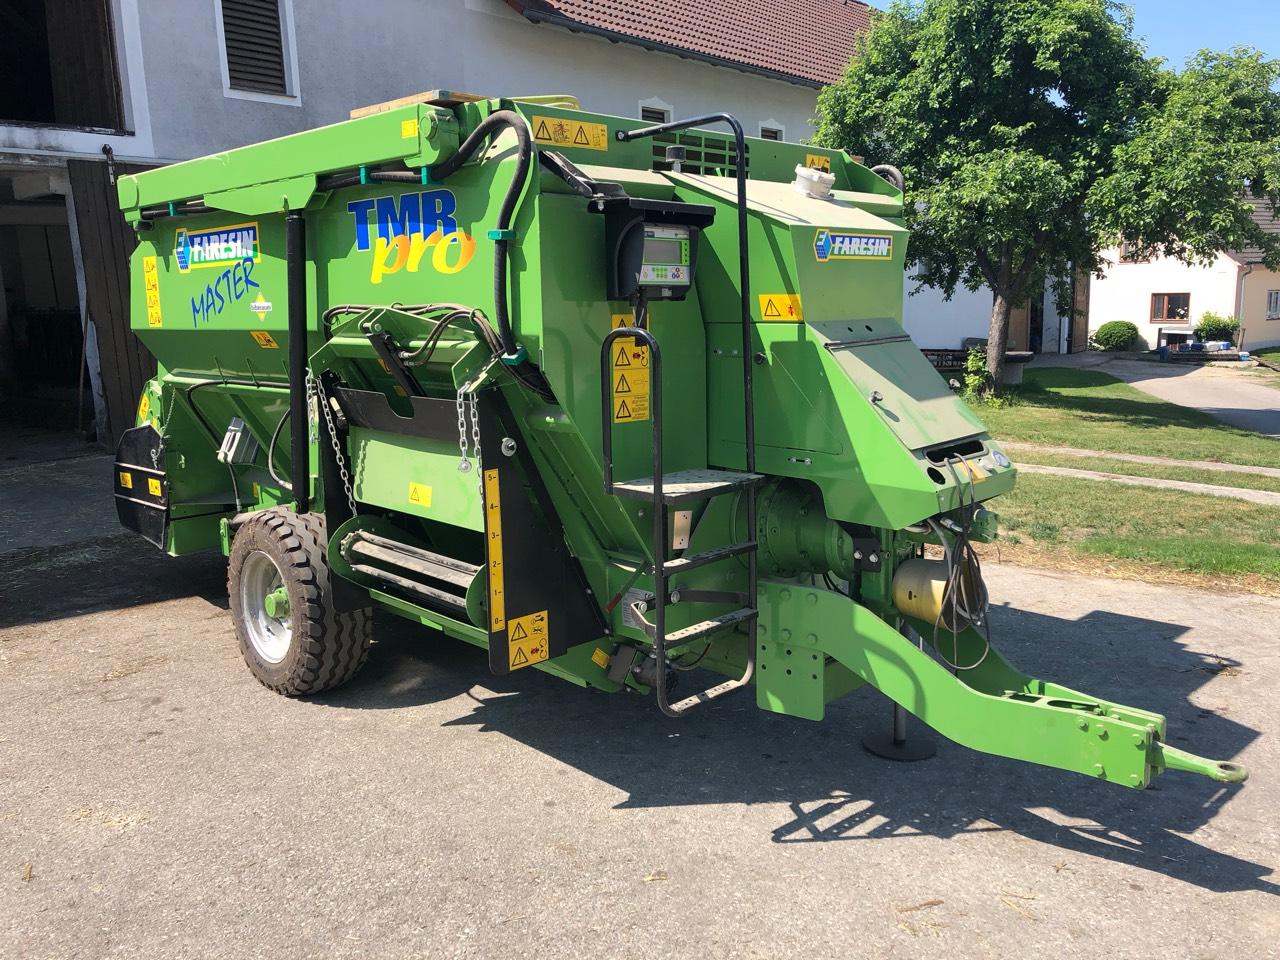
(809, 40)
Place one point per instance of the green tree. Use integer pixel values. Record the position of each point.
(1033, 134)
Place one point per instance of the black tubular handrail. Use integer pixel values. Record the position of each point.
(295, 256)
(748, 385)
(659, 507)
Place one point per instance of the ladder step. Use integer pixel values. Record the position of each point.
(711, 693)
(694, 560)
(697, 630)
(685, 485)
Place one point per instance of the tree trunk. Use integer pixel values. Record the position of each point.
(998, 337)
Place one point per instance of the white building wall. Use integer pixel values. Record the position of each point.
(942, 324)
(350, 55)
(1125, 292)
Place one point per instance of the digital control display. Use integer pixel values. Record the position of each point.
(664, 258)
(663, 251)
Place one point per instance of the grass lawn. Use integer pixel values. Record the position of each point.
(1109, 529)
(1066, 407)
(1158, 535)
(1221, 478)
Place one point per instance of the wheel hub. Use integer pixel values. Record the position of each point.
(276, 604)
(264, 604)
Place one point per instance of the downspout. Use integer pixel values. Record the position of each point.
(1248, 269)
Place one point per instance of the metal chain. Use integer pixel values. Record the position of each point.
(464, 465)
(316, 388)
(467, 397)
(475, 435)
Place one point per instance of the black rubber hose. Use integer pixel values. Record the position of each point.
(887, 171)
(441, 171)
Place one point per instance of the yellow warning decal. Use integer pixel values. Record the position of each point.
(600, 659)
(126, 480)
(493, 526)
(144, 407)
(560, 132)
(630, 376)
(408, 128)
(265, 340)
(527, 640)
(151, 282)
(419, 494)
(781, 308)
(818, 161)
(153, 487)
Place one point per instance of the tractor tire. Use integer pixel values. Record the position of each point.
(281, 591)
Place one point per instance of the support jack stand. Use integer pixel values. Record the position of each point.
(895, 746)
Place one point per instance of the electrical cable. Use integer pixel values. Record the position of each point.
(964, 574)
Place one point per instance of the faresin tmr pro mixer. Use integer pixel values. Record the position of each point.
(629, 405)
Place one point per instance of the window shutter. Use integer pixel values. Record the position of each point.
(653, 115)
(255, 46)
(770, 133)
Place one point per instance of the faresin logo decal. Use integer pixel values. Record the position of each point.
(828, 245)
(218, 247)
(401, 229)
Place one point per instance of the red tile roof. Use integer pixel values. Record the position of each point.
(1269, 223)
(805, 41)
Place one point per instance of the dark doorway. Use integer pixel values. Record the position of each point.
(58, 64)
(42, 358)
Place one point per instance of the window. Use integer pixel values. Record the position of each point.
(655, 115)
(1130, 254)
(1170, 306)
(1273, 304)
(257, 60)
(770, 133)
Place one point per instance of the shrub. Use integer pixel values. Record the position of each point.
(1214, 326)
(1115, 335)
(976, 377)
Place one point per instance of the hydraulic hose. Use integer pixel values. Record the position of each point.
(441, 171)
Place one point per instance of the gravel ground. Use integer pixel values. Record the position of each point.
(155, 801)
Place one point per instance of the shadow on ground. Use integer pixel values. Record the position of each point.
(736, 754)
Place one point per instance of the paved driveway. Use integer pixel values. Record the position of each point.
(1232, 396)
(155, 801)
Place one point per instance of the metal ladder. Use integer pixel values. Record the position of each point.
(666, 490)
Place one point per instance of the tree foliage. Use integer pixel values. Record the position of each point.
(1033, 134)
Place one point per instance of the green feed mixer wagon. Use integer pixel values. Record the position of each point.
(629, 405)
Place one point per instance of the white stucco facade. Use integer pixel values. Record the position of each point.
(1225, 286)
(177, 103)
